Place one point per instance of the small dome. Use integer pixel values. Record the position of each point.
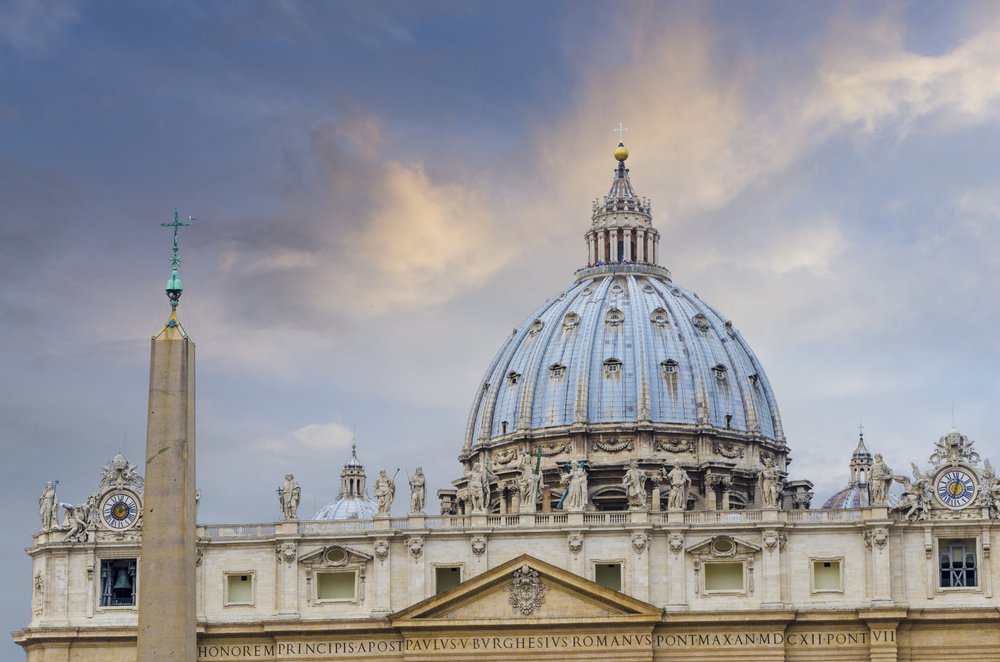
(347, 508)
(854, 496)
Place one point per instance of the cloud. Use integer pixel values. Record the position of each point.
(30, 26)
(320, 441)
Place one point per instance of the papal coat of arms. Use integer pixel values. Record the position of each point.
(526, 591)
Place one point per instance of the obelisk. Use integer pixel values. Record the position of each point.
(167, 560)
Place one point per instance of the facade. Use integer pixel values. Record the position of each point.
(624, 495)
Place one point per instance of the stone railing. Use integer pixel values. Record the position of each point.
(595, 519)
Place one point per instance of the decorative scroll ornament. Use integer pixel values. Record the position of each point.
(416, 547)
(575, 542)
(478, 545)
(732, 451)
(120, 473)
(613, 446)
(286, 551)
(554, 448)
(876, 537)
(639, 541)
(676, 543)
(381, 549)
(674, 445)
(38, 595)
(527, 592)
(504, 456)
(774, 538)
(953, 448)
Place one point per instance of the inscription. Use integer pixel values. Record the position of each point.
(347, 649)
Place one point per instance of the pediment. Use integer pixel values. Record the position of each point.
(529, 590)
(722, 546)
(333, 556)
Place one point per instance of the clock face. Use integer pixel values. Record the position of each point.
(956, 487)
(120, 510)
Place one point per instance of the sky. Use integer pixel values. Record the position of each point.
(383, 190)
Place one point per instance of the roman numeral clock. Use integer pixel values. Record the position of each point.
(956, 487)
(120, 510)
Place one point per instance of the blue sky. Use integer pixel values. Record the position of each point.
(383, 190)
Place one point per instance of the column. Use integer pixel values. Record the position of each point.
(676, 569)
(627, 244)
(640, 245)
(614, 246)
(382, 578)
(601, 247)
(166, 631)
(773, 542)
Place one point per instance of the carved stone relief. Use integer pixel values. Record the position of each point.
(527, 592)
(876, 537)
(381, 549)
(478, 545)
(554, 448)
(504, 456)
(416, 547)
(639, 541)
(673, 445)
(613, 446)
(732, 451)
(38, 594)
(575, 542)
(676, 543)
(286, 551)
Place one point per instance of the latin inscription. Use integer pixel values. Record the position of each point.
(370, 647)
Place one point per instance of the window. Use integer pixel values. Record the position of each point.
(669, 367)
(724, 577)
(827, 575)
(720, 373)
(958, 563)
(608, 575)
(557, 370)
(118, 582)
(659, 317)
(513, 377)
(333, 586)
(447, 577)
(612, 367)
(614, 317)
(239, 588)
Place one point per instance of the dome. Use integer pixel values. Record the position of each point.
(624, 348)
(347, 508)
(625, 365)
(352, 502)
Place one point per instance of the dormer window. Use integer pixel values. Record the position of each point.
(720, 373)
(571, 321)
(700, 322)
(614, 317)
(557, 370)
(612, 367)
(669, 367)
(536, 327)
(659, 317)
(755, 379)
(513, 378)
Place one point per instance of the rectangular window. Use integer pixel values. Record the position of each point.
(118, 582)
(724, 576)
(608, 575)
(826, 575)
(336, 586)
(239, 588)
(958, 563)
(446, 577)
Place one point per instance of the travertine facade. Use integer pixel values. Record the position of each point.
(624, 497)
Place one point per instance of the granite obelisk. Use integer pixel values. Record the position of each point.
(167, 559)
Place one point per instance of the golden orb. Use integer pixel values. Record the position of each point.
(621, 153)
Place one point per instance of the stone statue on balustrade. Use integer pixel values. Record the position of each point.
(289, 495)
(576, 494)
(634, 482)
(78, 519)
(479, 487)
(770, 484)
(385, 492)
(418, 491)
(680, 486)
(48, 507)
(881, 480)
(529, 481)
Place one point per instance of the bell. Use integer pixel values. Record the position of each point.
(122, 581)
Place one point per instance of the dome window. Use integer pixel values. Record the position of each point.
(720, 373)
(754, 379)
(648, 289)
(617, 289)
(536, 327)
(571, 321)
(669, 367)
(513, 377)
(612, 367)
(614, 317)
(557, 370)
(700, 322)
(659, 317)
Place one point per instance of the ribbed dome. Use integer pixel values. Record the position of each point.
(624, 347)
(347, 508)
(855, 495)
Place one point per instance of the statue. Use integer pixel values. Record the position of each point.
(634, 481)
(881, 479)
(575, 497)
(48, 507)
(78, 519)
(770, 484)
(989, 491)
(385, 492)
(418, 491)
(289, 495)
(479, 487)
(915, 500)
(529, 482)
(680, 485)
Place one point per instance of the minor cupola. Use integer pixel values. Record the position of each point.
(621, 229)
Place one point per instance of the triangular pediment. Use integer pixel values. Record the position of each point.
(528, 590)
(334, 555)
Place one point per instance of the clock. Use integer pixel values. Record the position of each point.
(120, 510)
(956, 487)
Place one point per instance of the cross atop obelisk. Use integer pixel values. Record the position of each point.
(174, 286)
